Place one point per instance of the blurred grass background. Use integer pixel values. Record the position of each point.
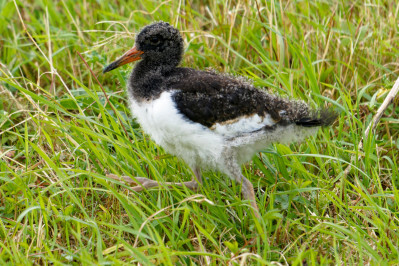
(60, 137)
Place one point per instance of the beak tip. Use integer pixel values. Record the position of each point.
(108, 68)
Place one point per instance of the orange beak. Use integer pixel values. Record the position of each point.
(130, 56)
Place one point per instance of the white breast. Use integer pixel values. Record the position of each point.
(195, 143)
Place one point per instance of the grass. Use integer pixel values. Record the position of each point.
(60, 137)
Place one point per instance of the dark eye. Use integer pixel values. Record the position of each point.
(154, 40)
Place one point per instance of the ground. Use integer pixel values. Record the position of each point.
(61, 135)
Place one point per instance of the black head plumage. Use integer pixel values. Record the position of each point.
(161, 43)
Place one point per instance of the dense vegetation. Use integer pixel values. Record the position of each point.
(60, 136)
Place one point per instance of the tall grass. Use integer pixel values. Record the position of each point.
(60, 137)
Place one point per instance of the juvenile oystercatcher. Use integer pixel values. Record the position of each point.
(211, 120)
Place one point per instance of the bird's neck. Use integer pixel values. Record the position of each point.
(147, 79)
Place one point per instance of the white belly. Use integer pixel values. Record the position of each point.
(202, 147)
(195, 143)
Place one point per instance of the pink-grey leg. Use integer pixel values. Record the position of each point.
(247, 189)
(145, 183)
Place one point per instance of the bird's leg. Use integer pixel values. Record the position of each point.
(198, 177)
(248, 193)
(194, 183)
(247, 189)
(145, 183)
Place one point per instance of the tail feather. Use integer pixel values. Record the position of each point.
(321, 117)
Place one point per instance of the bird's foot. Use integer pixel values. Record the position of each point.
(142, 183)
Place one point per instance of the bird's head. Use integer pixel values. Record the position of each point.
(158, 44)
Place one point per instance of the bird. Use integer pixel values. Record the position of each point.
(213, 121)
